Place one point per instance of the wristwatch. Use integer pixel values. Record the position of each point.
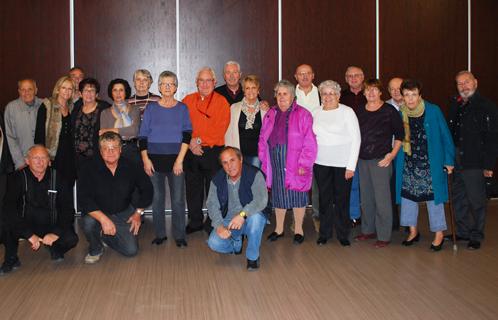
(198, 140)
(243, 214)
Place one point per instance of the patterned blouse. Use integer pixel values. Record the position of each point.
(417, 179)
(84, 131)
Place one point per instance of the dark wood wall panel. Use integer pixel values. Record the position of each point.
(484, 45)
(215, 31)
(34, 38)
(328, 35)
(115, 37)
(426, 40)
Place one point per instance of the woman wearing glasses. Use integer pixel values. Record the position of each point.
(165, 135)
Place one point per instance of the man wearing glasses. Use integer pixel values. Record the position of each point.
(353, 97)
(33, 211)
(210, 116)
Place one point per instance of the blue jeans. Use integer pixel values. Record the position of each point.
(123, 241)
(253, 161)
(176, 190)
(409, 214)
(354, 197)
(252, 228)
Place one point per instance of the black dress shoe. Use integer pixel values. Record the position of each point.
(55, 255)
(9, 264)
(473, 245)
(408, 243)
(274, 236)
(252, 265)
(159, 241)
(344, 242)
(181, 243)
(321, 241)
(438, 247)
(298, 238)
(449, 237)
(355, 222)
(190, 230)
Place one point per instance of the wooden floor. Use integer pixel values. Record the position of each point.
(294, 282)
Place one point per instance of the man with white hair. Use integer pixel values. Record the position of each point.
(231, 90)
(210, 116)
(472, 120)
(307, 96)
(34, 211)
(20, 121)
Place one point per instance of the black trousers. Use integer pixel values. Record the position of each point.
(199, 170)
(67, 240)
(333, 192)
(3, 189)
(469, 202)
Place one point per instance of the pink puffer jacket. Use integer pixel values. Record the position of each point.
(301, 148)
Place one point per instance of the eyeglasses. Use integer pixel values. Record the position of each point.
(204, 81)
(39, 158)
(355, 75)
(167, 85)
(302, 74)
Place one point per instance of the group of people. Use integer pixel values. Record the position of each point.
(347, 146)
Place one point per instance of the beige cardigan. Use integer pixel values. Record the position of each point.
(232, 134)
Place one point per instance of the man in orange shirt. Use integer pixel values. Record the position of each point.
(210, 116)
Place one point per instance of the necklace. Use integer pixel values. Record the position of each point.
(146, 101)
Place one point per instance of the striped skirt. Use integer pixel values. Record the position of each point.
(280, 196)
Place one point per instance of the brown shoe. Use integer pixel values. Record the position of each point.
(381, 244)
(316, 224)
(365, 236)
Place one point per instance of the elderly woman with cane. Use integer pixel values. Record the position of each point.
(427, 150)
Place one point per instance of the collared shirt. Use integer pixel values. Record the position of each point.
(20, 125)
(101, 190)
(473, 125)
(232, 97)
(258, 203)
(393, 103)
(210, 117)
(310, 101)
(353, 100)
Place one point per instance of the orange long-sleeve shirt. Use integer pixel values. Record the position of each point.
(210, 117)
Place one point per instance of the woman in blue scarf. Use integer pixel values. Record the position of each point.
(122, 118)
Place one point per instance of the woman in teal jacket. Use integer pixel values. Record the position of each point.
(427, 149)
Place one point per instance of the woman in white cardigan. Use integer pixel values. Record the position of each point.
(246, 119)
(338, 137)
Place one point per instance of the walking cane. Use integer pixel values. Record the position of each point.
(452, 214)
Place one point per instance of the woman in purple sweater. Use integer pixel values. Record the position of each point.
(164, 136)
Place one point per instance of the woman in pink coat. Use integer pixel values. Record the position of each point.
(287, 150)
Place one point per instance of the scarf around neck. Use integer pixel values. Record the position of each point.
(251, 116)
(406, 114)
(123, 120)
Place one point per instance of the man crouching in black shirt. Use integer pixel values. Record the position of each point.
(34, 211)
(106, 187)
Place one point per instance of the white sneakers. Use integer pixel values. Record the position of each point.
(89, 259)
